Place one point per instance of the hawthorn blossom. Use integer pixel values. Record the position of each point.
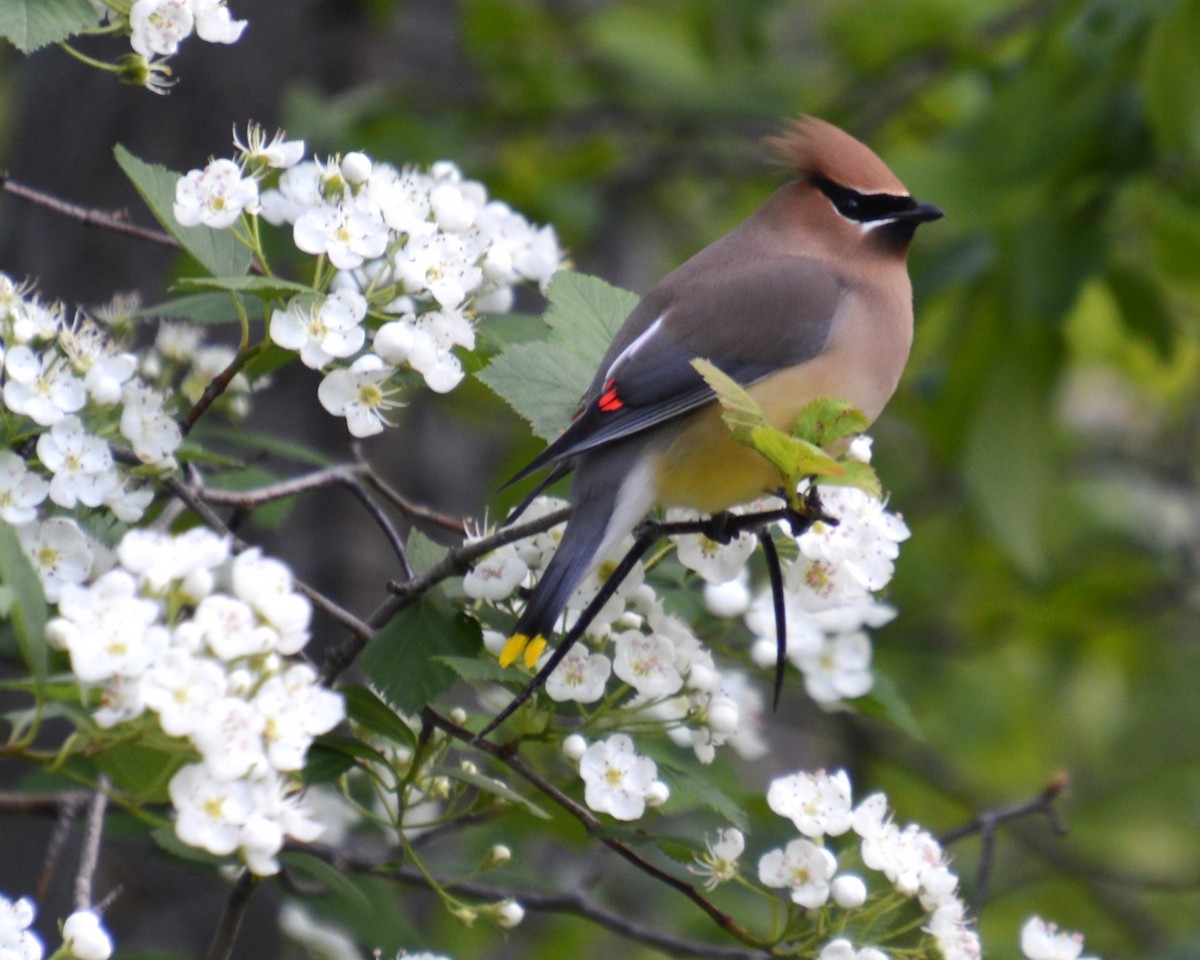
(82, 464)
(817, 803)
(321, 330)
(145, 423)
(647, 663)
(41, 386)
(17, 941)
(1044, 941)
(496, 576)
(60, 553)
(616, 777)
(719, 864)
(358, 394)
(805, 868)
(842, 949)
(20, 490)
(840, 670)
(580, 676)
(215, 196)
(159, 26)
(346, 234)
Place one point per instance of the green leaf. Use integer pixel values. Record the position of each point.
(1007, 464)
(478, 670)
(1172, 78)
(703, 790)
(367, 710)
(402, 658)
(494, 787)
(741, 411)
(31, 24)
(423, 553)
(217, 250)
(317, 869)
(1143, 307)
(28, 602)
(142, 770)
(827, 420)
(886, 702)
(206, 308)
(324, 763)
(258, 286)
(543, 381)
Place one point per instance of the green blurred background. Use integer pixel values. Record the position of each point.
(1044, 444)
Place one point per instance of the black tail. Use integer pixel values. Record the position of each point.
(574, 559)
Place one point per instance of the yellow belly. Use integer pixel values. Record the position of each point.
(704, 468)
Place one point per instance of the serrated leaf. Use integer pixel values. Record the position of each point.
(423, 553)
(543, 381)
(740, 411)
(794, 457)
(317, 869)
(828, 419)
(28, 608)
(367, 710)
(494, 787)
(855, 473)
(478, 670)
(258, 286)
(702, 789)
(32, 24)
(142, 771)
(402, 658)
(216, 250)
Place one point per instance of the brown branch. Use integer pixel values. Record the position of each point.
(113, 221)
(89, 854)
(407, 507)
(592, 824)
(217, 386)
(231, 920)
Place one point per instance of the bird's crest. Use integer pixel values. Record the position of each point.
(807, 146)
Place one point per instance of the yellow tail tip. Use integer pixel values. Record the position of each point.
(512, 649)
(534, 651)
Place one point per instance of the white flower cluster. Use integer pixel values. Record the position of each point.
(830, 587)
(198, 637)
(820, 806)
(418, 254)
(83, 933)
(72, 391)
(158, 27)
(671, 679)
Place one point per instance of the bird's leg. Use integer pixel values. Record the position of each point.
(646, 535)
(804, 511)
(718, 527)
(775, 574)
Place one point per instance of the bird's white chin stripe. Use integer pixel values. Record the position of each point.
(634, 347)
(634, 499)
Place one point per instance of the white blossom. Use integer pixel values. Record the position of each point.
(215, 24)
(82, 464)
(817, 803)
(17, 941)
(60, 553)
(321, 330)
(647, 663)
(215, 196)
(85, 938)
(805, 868)
(580, 676)
(159, 26)
(719, 864)
(1044, 941)
(359, 394)
(616, 777)
(20, 489)
(145, 423)
(346, 234)
(41, 386)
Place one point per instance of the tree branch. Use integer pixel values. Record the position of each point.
(231, 920)
(592, 824)
(113, 221)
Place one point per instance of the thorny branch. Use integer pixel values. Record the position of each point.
(591, 823)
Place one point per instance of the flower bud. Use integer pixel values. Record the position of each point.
(85, 938)
(574, 747)
(498, 856)
(507, 913)
(458, 715)
(657, 794)
(356, 167)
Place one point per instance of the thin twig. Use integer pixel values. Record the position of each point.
(196, 504)
(217, 386)
(66, 814)
(580, 905)
(591, 824)
(231, 920)
(89, 854)
(407, 507)
(113, 221)
(455, 562)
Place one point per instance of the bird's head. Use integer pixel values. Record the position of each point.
(846, 191)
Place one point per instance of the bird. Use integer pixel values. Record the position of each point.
(808, 298)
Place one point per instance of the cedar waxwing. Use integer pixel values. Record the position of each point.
(809, 298)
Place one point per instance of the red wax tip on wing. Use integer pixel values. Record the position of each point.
(609, 401)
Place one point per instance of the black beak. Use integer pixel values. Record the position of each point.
(921, 212)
